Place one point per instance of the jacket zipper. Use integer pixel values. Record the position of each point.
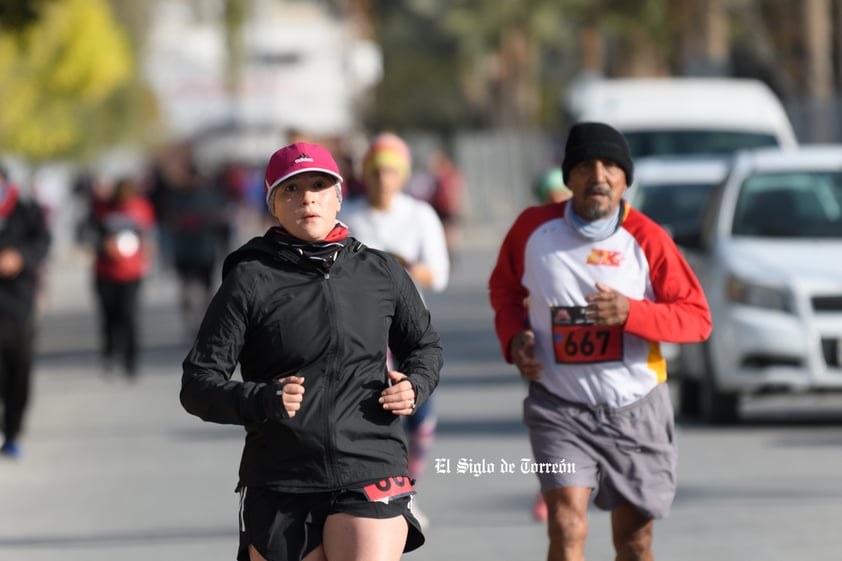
(330, 416)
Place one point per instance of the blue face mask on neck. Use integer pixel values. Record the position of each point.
(595, 229)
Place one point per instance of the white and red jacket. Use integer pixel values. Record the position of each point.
(545, 270)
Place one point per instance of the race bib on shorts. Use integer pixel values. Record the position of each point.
(577, 341)
(389, 489)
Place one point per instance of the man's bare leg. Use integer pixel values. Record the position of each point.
(632, 533)
(567, 522)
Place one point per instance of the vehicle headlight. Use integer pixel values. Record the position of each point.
(751, 293)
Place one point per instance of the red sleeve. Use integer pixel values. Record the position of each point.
(680, 312)
(506, 291)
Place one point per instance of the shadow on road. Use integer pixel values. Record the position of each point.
(110, 539)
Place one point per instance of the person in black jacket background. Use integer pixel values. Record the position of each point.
(24, 242)
(308, 314)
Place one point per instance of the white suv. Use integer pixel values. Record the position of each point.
(769, 257)
(684, 116)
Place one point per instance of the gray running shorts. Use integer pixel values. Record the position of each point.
(627, 454)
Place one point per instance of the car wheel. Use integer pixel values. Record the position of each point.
(716, 407)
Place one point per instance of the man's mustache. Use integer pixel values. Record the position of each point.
(600, 189)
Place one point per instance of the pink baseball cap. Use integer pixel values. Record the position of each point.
(291, 160)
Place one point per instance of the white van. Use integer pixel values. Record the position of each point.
(685, 116)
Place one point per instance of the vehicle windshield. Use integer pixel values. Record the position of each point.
(804, 204)
(694, 142)
(678, 208)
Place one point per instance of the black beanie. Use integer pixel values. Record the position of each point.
(596, 141)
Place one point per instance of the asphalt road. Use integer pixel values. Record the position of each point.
(117, 470)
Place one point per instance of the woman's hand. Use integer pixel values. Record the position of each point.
(399, 398)
(292, 393)
(11, 263)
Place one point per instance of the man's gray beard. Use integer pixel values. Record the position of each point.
(596, 213)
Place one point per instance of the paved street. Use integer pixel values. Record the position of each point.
(118, 471)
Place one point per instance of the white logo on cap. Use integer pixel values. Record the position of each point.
(303, 158)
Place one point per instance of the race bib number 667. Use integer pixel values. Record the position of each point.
(576, 340)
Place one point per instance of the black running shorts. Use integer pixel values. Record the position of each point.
(288, 526)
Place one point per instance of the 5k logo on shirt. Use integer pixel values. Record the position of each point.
(605, 257)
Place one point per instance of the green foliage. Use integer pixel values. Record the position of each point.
(435, 49)
(419, 84)
(56, 72)
(439, 57)
(235, 12)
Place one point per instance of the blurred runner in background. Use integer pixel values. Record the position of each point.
(549, 187)
(198, 229)
(24, 242)
(448, 193)
(123, 222)
(392, 221)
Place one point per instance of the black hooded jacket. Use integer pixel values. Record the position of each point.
(279, 313)
(25, 230)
